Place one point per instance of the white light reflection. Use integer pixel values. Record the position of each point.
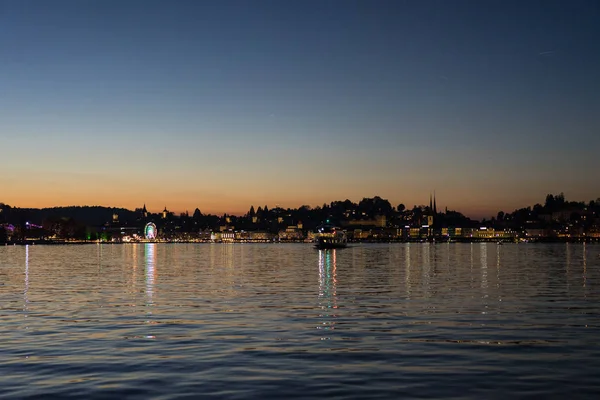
(150, 250)
(584, 268)
(26, 288)
(407, 270)
(472, 276)
(484, 273)
(484, 266)
(498, 257)
(150, 272)
(426, 269)
(327, 289)
(498, 272)
(134, 267)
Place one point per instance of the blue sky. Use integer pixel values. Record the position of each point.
(224, 104)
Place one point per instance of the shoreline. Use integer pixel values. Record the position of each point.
(454, 241)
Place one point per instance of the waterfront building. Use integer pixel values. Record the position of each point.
(291, 233)
(360, 234)
(594, 232)
(228, 236)
(536, 232)
(204, 235)
(254, 236)
(490, 233)
(414, 233)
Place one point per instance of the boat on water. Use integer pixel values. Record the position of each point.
(330, 237)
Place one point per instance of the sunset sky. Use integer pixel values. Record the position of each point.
(225, 104)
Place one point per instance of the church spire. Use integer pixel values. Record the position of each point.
(434, 205)
(430, 203)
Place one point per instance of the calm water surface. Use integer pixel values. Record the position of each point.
(272, 321)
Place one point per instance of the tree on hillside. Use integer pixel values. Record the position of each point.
(375, 206)
(554, 203)
(197, 214)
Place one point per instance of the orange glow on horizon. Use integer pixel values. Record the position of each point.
(215, 196)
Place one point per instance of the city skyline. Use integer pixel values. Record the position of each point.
(223, 105)
(432, 204)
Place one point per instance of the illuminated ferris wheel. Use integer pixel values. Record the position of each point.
(150, 231)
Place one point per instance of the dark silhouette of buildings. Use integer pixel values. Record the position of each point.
(371, 219)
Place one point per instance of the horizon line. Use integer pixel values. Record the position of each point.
(242, 213)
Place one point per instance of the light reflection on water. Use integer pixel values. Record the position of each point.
(327, 289)
(150, 272)
(26, 288)
(268, 321)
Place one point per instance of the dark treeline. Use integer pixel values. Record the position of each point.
(261, 217)
(556, 212)
(87, 215)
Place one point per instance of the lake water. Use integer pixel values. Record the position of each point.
(278, 321)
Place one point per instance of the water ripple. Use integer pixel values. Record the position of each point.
(176, 321)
